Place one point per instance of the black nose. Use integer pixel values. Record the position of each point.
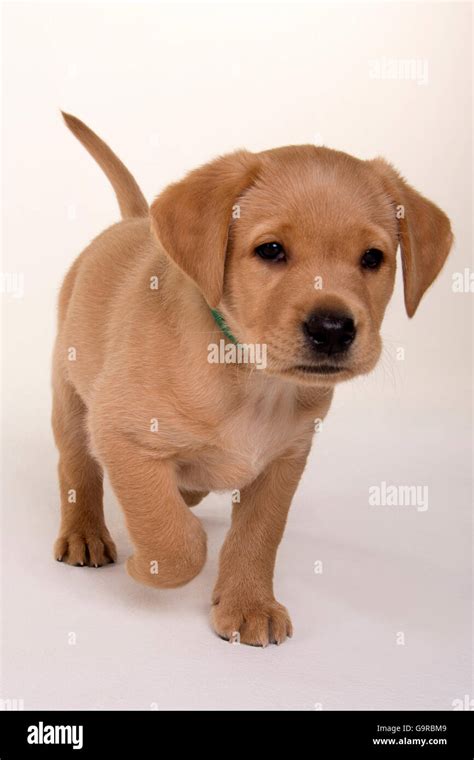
(330, 332)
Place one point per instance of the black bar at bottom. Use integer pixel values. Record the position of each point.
(375, 734)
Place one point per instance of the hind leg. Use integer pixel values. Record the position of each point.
(83, 536)
(193, 498)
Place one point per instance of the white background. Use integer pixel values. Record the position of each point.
(171, 86)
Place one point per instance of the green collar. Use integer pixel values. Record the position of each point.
(222, 324)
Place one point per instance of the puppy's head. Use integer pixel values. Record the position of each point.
(297, 248)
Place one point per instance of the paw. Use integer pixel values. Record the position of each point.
(254, 623)
(93, 549)
(174, 564)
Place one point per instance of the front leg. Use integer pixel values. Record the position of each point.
(244, 608)
(169, 541)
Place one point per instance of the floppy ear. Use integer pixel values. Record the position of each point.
(424, 232)
(191, 218)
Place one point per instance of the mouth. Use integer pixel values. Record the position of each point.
(322, 369)
(317, 374)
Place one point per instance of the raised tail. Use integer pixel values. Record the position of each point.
(129, 196)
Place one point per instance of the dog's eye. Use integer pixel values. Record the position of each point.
(371, 258)
(271, 252)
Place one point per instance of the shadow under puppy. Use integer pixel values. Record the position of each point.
(231, 253)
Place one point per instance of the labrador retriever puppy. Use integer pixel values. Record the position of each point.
(291, 249)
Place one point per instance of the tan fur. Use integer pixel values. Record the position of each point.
(141, 355)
